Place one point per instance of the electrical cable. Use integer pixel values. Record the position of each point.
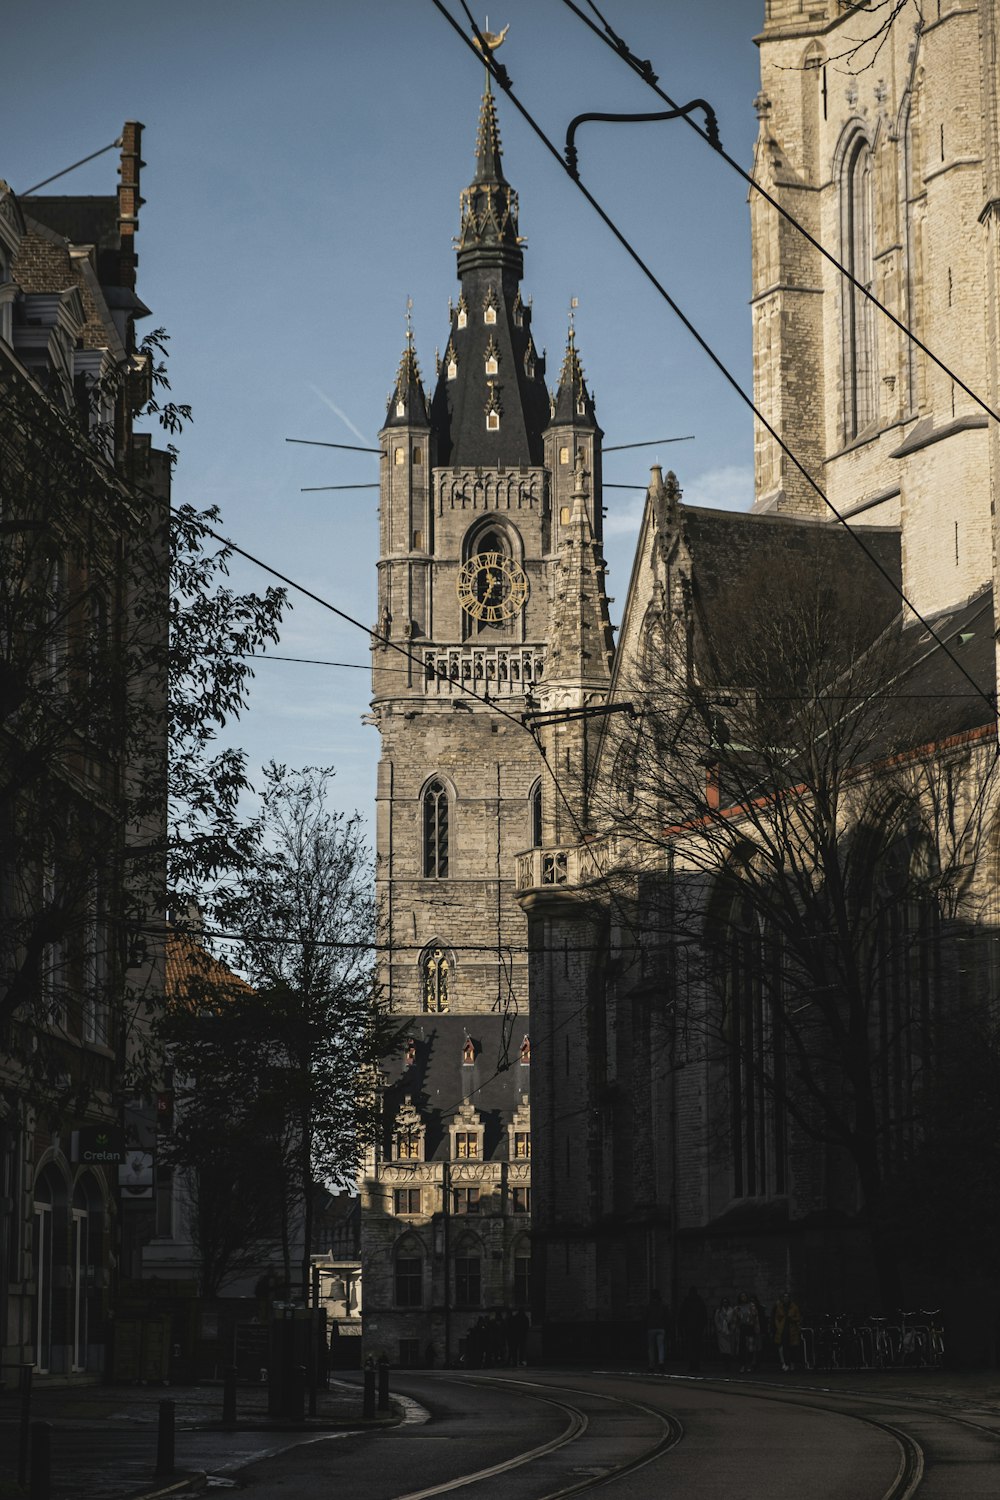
(644, 71)
(499, 73)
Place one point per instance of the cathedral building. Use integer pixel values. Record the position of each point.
(492, 611)
(696, 1122)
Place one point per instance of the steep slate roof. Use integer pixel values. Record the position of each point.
(438, 1081)
(490, 266)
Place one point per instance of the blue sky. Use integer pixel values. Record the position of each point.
(303, 167)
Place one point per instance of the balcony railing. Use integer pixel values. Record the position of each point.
(499, 671)
(579, 864)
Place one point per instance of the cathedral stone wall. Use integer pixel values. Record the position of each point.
(887, 157)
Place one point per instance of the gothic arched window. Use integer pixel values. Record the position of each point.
(436, 831)
(756, 1055)
(860, 358)
(436, 973)
(536, 815)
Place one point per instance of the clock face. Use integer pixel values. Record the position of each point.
(492, 587)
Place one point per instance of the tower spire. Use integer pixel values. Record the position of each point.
(573, 402)
(408, 402)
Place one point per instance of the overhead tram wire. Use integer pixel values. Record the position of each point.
(499, 73)
(364, 666)
(643, 69)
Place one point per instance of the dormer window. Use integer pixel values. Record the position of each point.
(408, 1134)
(490, 307)
(490, 314)
(492, 421)
(400, 408)
(463, 316)
(581, 407)
(518, 311)
(452, 369)
(492, 358)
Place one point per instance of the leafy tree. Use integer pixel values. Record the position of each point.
(293, 1056)
(122, 654)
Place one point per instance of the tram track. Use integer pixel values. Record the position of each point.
(578, 1423)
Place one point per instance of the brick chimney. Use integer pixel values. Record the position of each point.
(129, 200)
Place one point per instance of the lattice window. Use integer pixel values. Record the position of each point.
(436, 832)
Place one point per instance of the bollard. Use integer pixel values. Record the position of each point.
(40, 1487)
(165, 1439)
(24, 1434)
(229, 1397)
(368, 1408)
(383, 1383)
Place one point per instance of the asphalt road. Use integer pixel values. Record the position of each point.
(527, 1436)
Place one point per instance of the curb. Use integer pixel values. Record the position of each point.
(196, 1480)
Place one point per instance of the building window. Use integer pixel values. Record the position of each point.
(490, 315)
(522, 1280)
(756, 1065)
(408, 1146)
(520, 1200)
(400, 408)
(492, 421)
(860, 357)
(522, 1145)
(465, 1200)
(409, 1354)
(418, 456)
(436, 832)
(463, 316)
(564, 455)
(468, 1280)
(564, 515)
(467, 1145)
(399, 457)
(418, 541)
(437, 980)
(409, 1281)
(406, 1201)
(536, 815)
(452, 369)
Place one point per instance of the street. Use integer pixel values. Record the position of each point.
(533, 1436)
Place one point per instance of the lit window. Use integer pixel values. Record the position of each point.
(467, 1146)
(466, 1200)
(406, 1201)
(564, 455)
(408, 1146)
(436, 831)
(522, 1145)
(564, 514)
(520, 1200)
(399, 457)
(409, 1281)
(400, 408)
(437, 978)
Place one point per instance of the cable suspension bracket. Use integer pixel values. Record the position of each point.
(682, 113)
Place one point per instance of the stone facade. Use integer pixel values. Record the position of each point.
(490, 524)
(654, 1166)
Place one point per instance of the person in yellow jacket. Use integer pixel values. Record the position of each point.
(786, 1321)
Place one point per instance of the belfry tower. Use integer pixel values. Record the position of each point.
(486, 489)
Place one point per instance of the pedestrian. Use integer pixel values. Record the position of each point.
(747, 1332)
(656, 1330)
(520, 1325)
(725, 1331)
(786, 1321)
(691, 1319)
